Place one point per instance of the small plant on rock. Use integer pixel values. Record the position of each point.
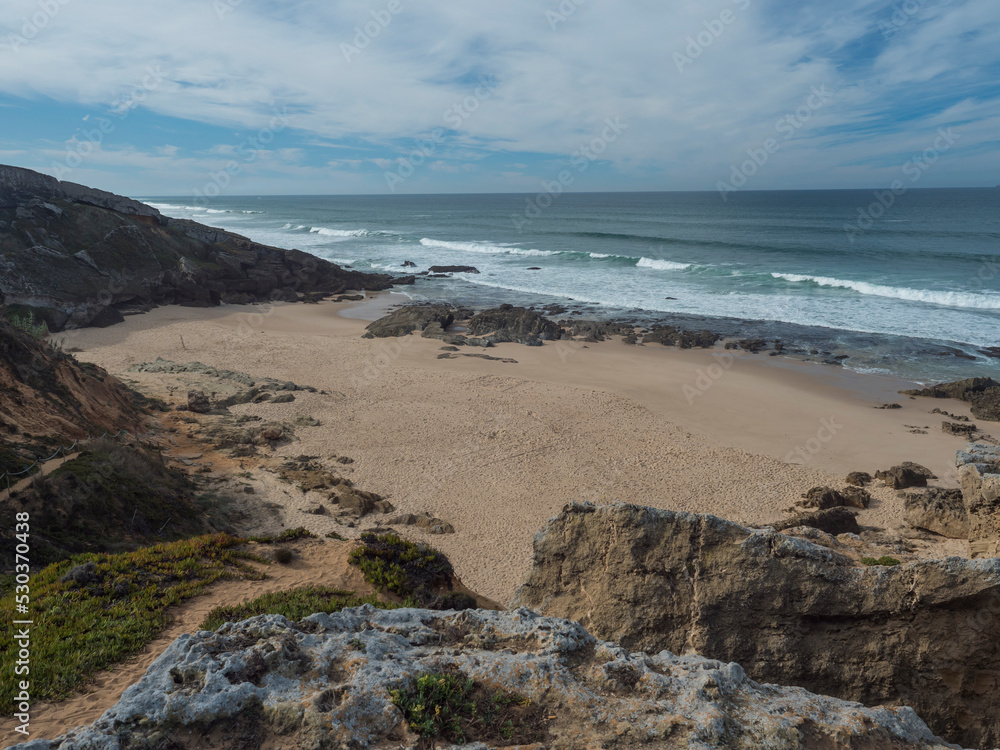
(885, 560)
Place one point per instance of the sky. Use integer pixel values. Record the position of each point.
(256, 97)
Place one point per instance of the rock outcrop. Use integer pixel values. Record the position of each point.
(325, 682)
(939, 511)
(405, 320)
(77, 257)
(788, 610)
(907, 474)
(983, 394)
(515, 324)
(837, 520)
(979, 472)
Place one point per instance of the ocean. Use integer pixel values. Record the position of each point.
(907, 285)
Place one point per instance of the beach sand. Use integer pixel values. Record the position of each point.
(497, 448)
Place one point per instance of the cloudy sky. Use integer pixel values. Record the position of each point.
(336, 96)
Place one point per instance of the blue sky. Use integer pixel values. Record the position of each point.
(313, 97)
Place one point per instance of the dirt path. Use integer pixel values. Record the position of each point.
(318, 562)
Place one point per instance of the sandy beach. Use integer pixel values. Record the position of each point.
(496, 448)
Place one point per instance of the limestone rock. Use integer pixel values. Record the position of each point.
(979, 472)
(324, 682)
(907, 474)
(940, 511)
(425, 521)
(823, 498)
(198, 402)
(832, 521)
(788, 610)
(859, 478)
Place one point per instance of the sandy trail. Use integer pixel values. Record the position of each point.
(320, 563)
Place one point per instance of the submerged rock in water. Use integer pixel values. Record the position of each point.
(788, 610)
(328, 682)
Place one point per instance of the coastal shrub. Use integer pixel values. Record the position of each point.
(26, 321)
(95, 610)
(455, 708)
(390, 563)
(884, 560)
(288, 535)
(283, 556)
(294, 604)
(109, 498)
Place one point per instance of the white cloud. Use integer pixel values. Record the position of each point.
(556, 87)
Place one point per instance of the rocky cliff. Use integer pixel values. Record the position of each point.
(787, 609)
(78, 256)
(979, 471)
(348, 680)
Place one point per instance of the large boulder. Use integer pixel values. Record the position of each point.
(405, 320)
(982, 393)
(979, 472)
(832, 520)
(939, 511)
(516, 324)
(328, 682)
(789, 610)
(907, 474)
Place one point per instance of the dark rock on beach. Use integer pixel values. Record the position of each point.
(77, 256)
(939, 511)
(514, 324)
(907, 474)
(982, 393)
(832, 520)
(406, 320)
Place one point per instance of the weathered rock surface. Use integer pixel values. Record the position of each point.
(515, 324)
(788, 610)
(907, 474)
(79, 256)
(982, 393)
(833, 521)
(429, 523)
(859, 478)
(939, 511)
(324, 683)
(453, 269)
(979, 472)
(406, 320)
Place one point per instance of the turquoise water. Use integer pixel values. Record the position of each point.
(911, 289)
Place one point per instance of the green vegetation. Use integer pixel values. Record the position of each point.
(95, 610)
(416, 573)
(25, 320)
(109, 498)
(288, 535)
(457, 709)
(294, 604)
(396, 565)
(884, 560)
(283, 556)
(335, 535)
